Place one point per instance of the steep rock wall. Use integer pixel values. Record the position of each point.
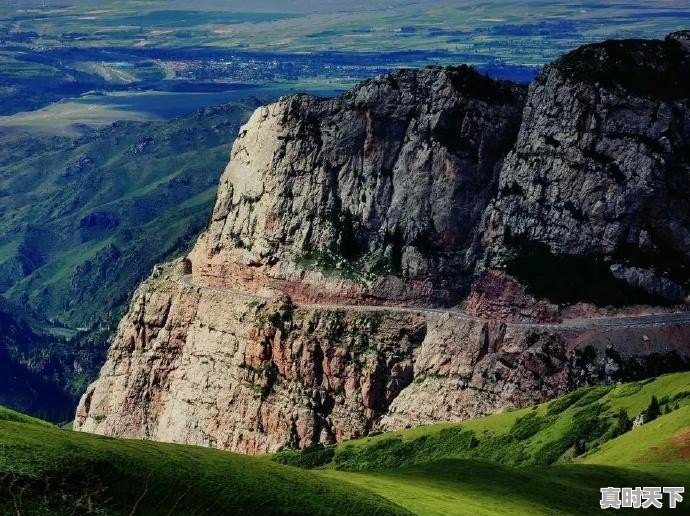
(202, 366)
(376, 195)
(594, 197)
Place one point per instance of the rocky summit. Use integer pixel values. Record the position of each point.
(432, 246)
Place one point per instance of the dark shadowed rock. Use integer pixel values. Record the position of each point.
(601, 172)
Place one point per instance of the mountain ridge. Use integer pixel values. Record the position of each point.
(420, 188)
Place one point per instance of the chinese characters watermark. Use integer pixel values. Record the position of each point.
(640, 497)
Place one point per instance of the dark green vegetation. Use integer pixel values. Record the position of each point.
(562, 278)
(53, 472)
(84, 220)
(20, 385)
(79, 216)
(546, 460)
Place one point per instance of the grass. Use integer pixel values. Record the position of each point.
(666, 439)
(45, 470)
(428, 471)
(505, 464)
(58, 183)
(465, 487)
(17, 417)
(578, 427)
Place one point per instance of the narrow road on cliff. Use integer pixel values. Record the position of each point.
(629, 321)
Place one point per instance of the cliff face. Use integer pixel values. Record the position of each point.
(305, 312)
(597, 186)
(205, 366)
(374, 195)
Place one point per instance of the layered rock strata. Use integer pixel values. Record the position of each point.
(376, 195)
(209, 367)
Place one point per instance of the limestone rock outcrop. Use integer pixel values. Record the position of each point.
(601, 171)
(204, 366)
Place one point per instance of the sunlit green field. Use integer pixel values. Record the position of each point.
(48, 471)
(545, 460)
(466, 487)
(549, 426)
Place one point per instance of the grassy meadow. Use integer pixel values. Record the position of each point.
(550, 459)
(428, 471)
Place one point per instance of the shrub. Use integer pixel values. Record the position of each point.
(394, 452)
(528, 425)
(623, 423)
(314, 456)
(560, 404)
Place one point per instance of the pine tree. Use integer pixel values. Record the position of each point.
(624, 422)
(653, 410)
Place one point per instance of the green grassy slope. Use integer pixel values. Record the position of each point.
(546, 460)
(666, 439)
(575, 427)
(83, 221)
(428, 471)
(48, 471)
(466, 487)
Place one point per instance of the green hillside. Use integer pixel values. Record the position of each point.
(491, 466)
(53, 472)
(546, 460)
(666, 439)
(82, 222)
(579, 426)
(464, 487)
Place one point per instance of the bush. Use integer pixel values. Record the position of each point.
(623, 423)
(588, 425)
(394, 452)
(314, 456)
(526, 426)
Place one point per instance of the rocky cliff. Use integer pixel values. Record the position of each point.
(374, 195)
(206, 366)
(593, 200)
(318, 304)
